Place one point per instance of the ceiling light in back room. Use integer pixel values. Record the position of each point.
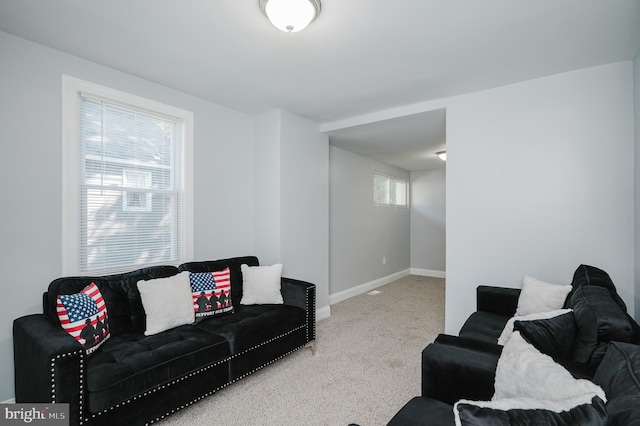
(290, 15)
(442, 155)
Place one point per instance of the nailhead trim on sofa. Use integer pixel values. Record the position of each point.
(313, 309)
(53, 377)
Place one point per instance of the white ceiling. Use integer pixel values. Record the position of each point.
(358, 57)
(409, 142)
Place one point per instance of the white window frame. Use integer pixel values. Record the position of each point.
(391, 180)
(71, 87)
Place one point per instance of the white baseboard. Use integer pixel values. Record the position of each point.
(428, 273)
(9, 401)
(366, 287)
(322, 313)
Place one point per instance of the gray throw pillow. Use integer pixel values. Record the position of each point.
(599, 319)
(619, 376)
(512, 412)
(551, 336)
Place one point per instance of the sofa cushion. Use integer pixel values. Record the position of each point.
(619, 376)
(84, 316)
(131, 364)
(253, 325)
(599, 319)
(484, 326)
(552, 336)
(539, 296)
(211, 293)
(167, 302)
(583, 411)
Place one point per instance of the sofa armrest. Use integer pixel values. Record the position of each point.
(450, 373)
(49, 363)
(463, 342)
(301, 294)
(497, 300)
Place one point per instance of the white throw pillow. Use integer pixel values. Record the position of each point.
(538, 296)
(261, 285)
(525, 372)
(167, 302)
(508, 328)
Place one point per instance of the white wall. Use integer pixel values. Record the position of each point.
(292, 193)
(361, 234)
(636, 97)
(540, 179)
(428, 220)
(305, 204)
(267, 188)
(30, 170)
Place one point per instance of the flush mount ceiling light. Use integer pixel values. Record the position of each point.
(290, 15)
(442, 155)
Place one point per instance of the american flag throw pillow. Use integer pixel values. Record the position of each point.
(211, 293)
(84, 316)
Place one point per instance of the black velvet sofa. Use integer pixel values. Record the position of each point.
(495, 305)
(464, 366)
(138, 379)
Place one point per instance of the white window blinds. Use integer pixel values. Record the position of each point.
(126, 189)
(129, 188)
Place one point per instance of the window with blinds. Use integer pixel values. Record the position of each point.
(130, 186)
(390, 191)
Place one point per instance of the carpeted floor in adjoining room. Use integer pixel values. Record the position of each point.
(366, 366)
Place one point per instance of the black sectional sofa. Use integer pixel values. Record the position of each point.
(600, 343)
(137, 379)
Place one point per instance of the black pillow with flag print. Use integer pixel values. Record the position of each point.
(84, 316)
(211, 293)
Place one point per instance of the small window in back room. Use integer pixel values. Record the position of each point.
(390, 191)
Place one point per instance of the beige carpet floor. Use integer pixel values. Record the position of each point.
(366, 366)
